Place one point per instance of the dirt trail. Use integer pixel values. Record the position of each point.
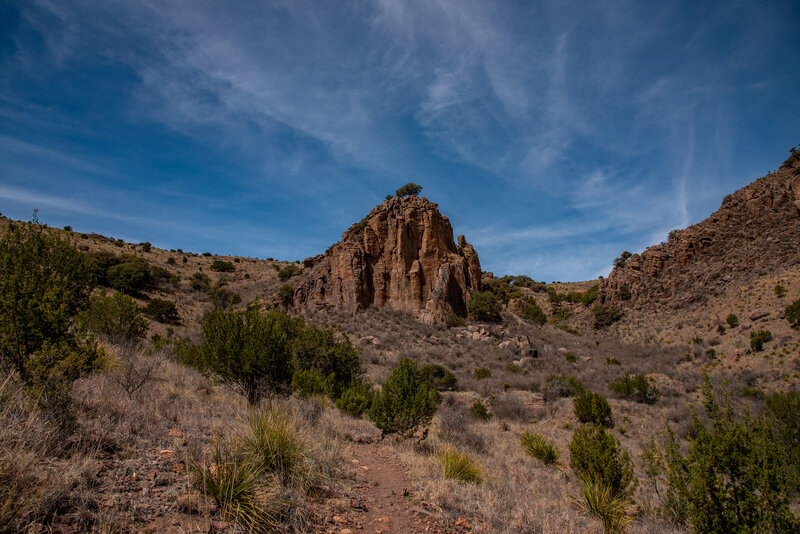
(382, 502)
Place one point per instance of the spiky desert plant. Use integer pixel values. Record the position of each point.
(460, 466)
(598, 499)
(235, 484)
(538, 447)
(276, 444)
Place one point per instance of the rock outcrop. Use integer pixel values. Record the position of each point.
(756, 230)
(402, 256)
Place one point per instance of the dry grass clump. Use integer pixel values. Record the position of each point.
(38, 477)
(459, 466)
(537, 446)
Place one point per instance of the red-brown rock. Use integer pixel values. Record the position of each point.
(402, 256)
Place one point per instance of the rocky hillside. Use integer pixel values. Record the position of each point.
(401, 256)
(755, 231)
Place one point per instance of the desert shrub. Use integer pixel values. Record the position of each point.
(308, 382)
(328, 352)
(406, 401)
(732, 477)
(780, 291)
(287, 272)
(570, 357)
(590, 295)
(223, 298)
(207, 254)
(235, 484)
(733, 320)
(134, 368)
(249, 350)
(793, 313)
(624, 293)
(460, 466)
(758, 338)
(356, 399)
(162, 311)
(539, 447)
(721, 328)
(783, 414)
(502, 288)
(636, 387)
(615, 511)
(130, 276)
(170, 261)
(146, 247)
(286, 294)
(591, 407)
(410, 189)
(200, 282)
(222, 266)
(612, 361)
(481, 373)
(44, 282)
(532, 312)
(595, 454)
(479, 410)
(454, 320)
(483, 306)
(116, 317)
(556, 386)
(605, 315)
(55, 366)
(439, 377)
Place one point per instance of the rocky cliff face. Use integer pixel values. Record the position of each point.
(402, 255)
(756, 230)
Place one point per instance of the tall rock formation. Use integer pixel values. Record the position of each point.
(756, 230)
(402, 255)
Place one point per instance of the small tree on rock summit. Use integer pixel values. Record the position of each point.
(410, 189)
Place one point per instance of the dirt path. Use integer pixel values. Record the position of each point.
(382, 502)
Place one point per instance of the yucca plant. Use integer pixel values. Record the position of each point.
(236, 485)
(615, 511)
(460, 466)
(538, 447)
(276, 444)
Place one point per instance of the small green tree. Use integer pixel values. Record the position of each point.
(758, 338)
(439, 377)
(532, 312)
(605, 315)
(783, 414)
(483, 306)
(222, 266)
(733, 320)
(327, 352)
(410, 189)
(162, 311)
(793, 313)
(116, 317)
(406, 401)
(596, 454)
(286, 294)
(44, 282)
(250, 350)
(731, 478)
(591, 407)
(287, 272)
(356, 399)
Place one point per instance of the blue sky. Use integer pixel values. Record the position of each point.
(554, 134)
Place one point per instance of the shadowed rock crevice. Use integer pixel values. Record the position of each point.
(403, 256)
